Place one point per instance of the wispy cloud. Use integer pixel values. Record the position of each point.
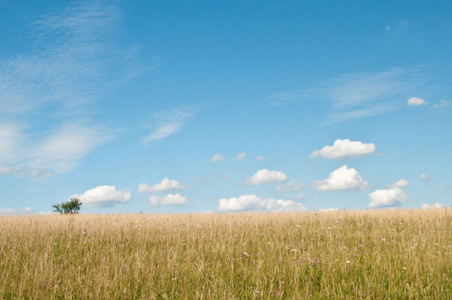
(62, 149)
(442, 103)
(357, 95)
(11, 211)
(76, 58)
(71, 63)
(166, 123)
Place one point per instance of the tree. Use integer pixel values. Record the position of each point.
(72, 206)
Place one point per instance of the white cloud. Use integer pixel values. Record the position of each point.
(70, 70)
(170, 199)
(415, 101)
(341, 179)
(343, 149)
(10, 142)
(424, 176)
(435, 205)
(445, 187)
(332, 209)
(167, 123)
(63, 149)
(387, 197)
(358, 95)
(63, 76)
(260, 158)
(217, 157)
(103, 196)
(266, 176)
(290, 187)
(298, 196)
(165, 185)
(240, 157)
(253, 202)
(39, 155)
(25, 171)
(442, 103)
(400, 184)
(11, 211)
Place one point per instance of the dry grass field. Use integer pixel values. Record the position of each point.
(381, 254)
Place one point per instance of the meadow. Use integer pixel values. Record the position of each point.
(372, 254)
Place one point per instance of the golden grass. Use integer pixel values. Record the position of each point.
(335, 255)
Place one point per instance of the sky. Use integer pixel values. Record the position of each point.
(225, 106)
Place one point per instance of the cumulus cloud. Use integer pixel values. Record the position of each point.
(400, 184)
(240, 157)
(12, 211)
(424, 176)
(435, 205)
(442, 103)
(217, 157)
(342, 179)
(291, 186)
(266, 176)
(170, 199)
(343, 149)
(103, 196)
(166, 123)
(165, 185)
(415, 101)
(387, 197)
(253, 202)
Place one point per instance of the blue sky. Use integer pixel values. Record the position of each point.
(183, 106)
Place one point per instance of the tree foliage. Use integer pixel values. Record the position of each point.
(72, 206)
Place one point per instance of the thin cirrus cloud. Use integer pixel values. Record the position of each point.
(291, 186)
(67, 76)
(217, 157)
(344, 178)
(167, 123)
(63, 149)
(12, 211)
(253, 203)
(72, 70)
(415, 101)
(42, 154)
(168, 200)
(357, 95)
(344, 149)
(266, 176)
(434, 206)
(400, 184)
(442, 103)
(240, 157)
(387, 197)
(165, 185)
(103, 196)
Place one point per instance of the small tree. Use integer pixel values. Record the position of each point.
(72, 206)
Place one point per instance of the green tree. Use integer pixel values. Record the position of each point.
(72, 206)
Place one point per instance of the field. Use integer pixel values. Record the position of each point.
(381, 254)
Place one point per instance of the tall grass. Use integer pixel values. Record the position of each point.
(398, 254)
